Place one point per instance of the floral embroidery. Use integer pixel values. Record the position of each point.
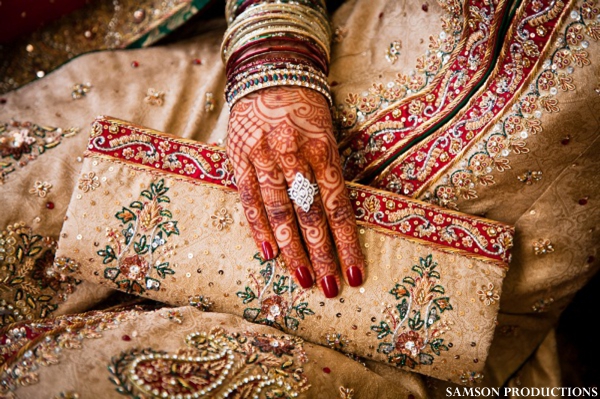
(209, 103)
(135, 246)
(471, 378)
(80, 90)
(23, 142)
(88, 181)
(543, 247)
(201, 302)
(41, 189)
(221, 219)
(154, 97)
(173, 315)
(336, 341)
(280, 302)
(346, 393)
(29, 288)
(414, 339)
(542, 305)
(393, 52)
(217, 364)
(488, 295)
(530, 177)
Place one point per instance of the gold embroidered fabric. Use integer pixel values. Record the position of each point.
(427, 307)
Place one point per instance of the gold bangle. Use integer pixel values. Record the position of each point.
(226, 52)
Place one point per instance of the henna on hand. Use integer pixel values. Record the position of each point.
(274, 134)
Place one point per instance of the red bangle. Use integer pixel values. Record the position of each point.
(311, 52)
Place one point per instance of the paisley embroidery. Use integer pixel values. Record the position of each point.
(29, 288)
(23, 142)
(217, 364)
(136, 249)
(413, 323)
(280, 302)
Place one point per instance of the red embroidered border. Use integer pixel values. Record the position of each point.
(519, 57)
(373, 208)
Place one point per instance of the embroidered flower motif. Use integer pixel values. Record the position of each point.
(221, 219)
(189, 169)
(80, 90)
(128, 153)
(528, 103)
(89, 181)
(336, 340)
(201, 302)
(542, 305)
(393, 51)
(173, 315)
(471, 378)
(154, 97)
(416, 107)
(276, 346)
(530, 177)
(409, 343)
(209, 102)
(41, 189)
(134, 267)
(346, 393)
(274, 307)
(488, 295)
(543, 247)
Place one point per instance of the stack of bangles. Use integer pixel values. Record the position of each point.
(276, 43)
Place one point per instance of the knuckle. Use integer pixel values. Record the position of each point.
(340, 214)
(311, 218)
(279, 212)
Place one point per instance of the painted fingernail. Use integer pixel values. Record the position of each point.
(354, 276)
(267, 250)
(303, 276)
(329, 285)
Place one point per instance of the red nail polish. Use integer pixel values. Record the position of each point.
(354, 276)
(303, 276)
(329, 286)
(267, 250)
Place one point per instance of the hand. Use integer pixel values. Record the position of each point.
(274, 134)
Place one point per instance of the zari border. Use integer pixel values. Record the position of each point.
(435, 161)
(157, 152)
(413, 108)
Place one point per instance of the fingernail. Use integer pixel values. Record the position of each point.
(354, 276)
(329, 286)
(267, 250)
(303, 276)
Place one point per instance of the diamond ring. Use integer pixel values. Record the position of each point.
(302, 192)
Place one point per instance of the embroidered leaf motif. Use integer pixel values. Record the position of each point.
(280, 287)
(111, 273)
(163, 269)
(409, 280)
(439, 289)
(382, 330)
(415, 323)
(137, 205)
(425, 358)
(443, 304)
(437, 345)
(108, 253)
(291, 323)
(247, 296)
(169, 228)
(400, 291)
(302, 310)
(402, 308)
(125, 215)
(140, 247)
(251, 314)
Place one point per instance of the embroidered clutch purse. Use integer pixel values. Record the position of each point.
(159, 216)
